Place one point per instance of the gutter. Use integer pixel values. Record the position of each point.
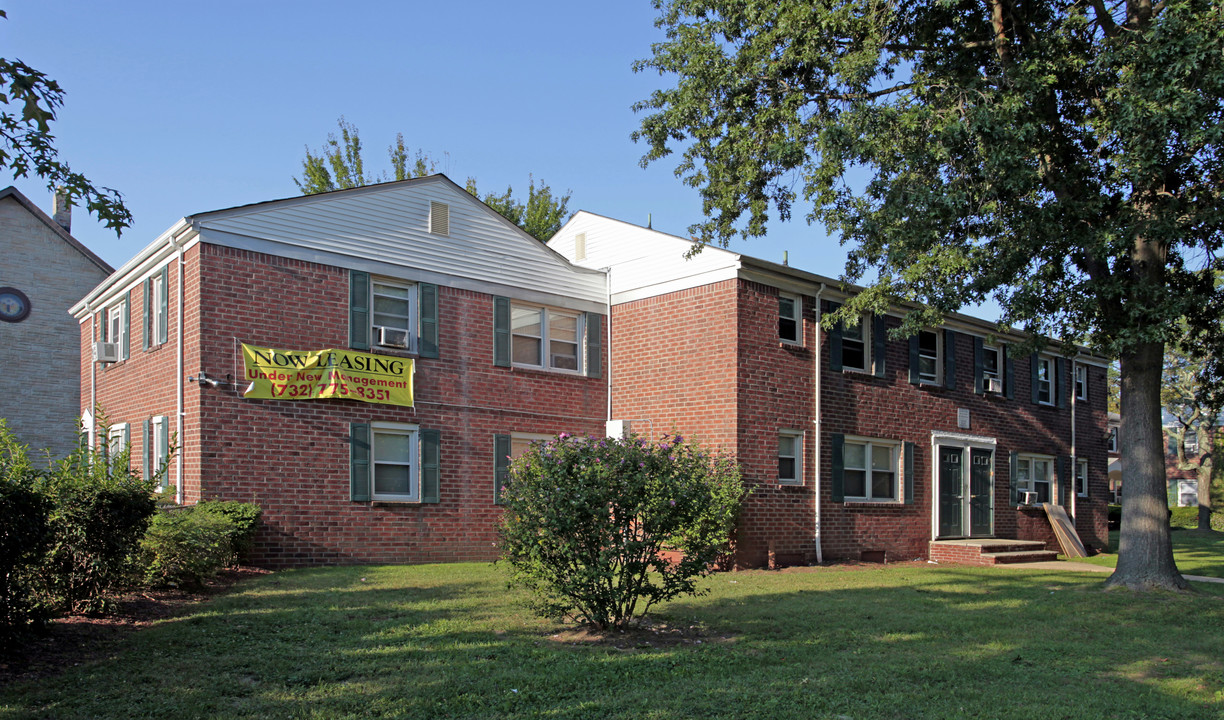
(178, 378)
(816, 423)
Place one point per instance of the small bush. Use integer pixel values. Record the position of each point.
(244, 520)
(185, 546)
(588, 521)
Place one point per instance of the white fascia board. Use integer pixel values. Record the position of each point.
(671, 286)
(594, 299)
(135, 270)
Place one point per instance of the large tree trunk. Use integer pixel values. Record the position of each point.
(1145, 548)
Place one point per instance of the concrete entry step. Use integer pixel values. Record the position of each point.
(1025, 556)
(990, 551)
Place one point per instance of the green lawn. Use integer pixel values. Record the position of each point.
(1196, 552)
(910, 640)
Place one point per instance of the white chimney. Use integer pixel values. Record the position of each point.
(61, 209)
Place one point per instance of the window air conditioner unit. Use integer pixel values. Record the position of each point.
(106, 352)
(994, 385)
(1028, 498)
(392, 337)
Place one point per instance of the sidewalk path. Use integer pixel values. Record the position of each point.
(1088, 567)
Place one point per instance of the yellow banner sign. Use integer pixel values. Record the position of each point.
(327, 374)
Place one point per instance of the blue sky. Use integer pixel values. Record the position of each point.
(186, 108)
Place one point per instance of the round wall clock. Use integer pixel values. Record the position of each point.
(14, 305)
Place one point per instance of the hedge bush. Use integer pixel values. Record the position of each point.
(1187, 518)
(601, 529)
(24, 534)
(186, 546)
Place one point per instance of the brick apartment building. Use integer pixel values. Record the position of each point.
(504, 338)
(856, 443)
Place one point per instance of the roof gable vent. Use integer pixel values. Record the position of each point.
(439, 218)
(580, 246)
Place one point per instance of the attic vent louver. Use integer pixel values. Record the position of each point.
(580, 246)
(439, 218)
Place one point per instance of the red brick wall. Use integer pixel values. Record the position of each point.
(292, 457)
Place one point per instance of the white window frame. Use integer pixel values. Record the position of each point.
(796, 454)
(935, 378)
(158, 290)
(997, 353)
(1081, 477)
(413, 462)
(160, 452)
(115, 444)
(545, 320)
(1030, 483)
(1112, 442)
(413, 313)
(1081, 382)
(1046, 364)
(865, 337)
(894, 448)
(796, 317)
(521, 442)
(112, 327)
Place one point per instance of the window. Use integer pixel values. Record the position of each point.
(156, 306)
(1113, 439)
(992, 364)
(1035, 474)
(790, 311)
(117, 441)
(1044, 390)
(394, 464)
(505, 449)
(856, 354)
(870, 470)
(156, 448)
(790, 457)
(1081, 382)
(545, 338)
(115, 327)
(393, 314)
(1081, 477)
(929, 356)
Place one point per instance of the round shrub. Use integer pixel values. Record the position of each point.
(601, 529)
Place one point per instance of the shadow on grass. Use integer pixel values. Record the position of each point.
(451, 641)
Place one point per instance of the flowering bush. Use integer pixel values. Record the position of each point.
(588, 521)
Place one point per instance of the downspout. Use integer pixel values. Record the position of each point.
(93, 379)
(178, 380)
(608, 291)
(816, 424)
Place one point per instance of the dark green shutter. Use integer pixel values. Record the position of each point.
(949, 338)
(127, 327)
(1009, 374)
(359, 310)
(979, 366)
(1033, 377)
(431, 451)
(594, 344)
(359, 462)
(427, 343)
(914, 377)
(908, 450)
(146, 448)
(501, 331)
(146, 322)
(1064, 496)
(163, 302)
(879, 336)
(837, 464)
(501, 465)
(1014, 461)
(1060, 378)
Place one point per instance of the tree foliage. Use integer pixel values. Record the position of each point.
(588, 522)
(339, 165)
(29, 101)
(1062, 158)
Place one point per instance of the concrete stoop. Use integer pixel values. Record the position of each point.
(990, 551)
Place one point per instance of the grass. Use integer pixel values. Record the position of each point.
(449, 641)
(1196, 552)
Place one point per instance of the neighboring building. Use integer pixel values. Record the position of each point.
(44, 271)
(857, 445)
(500, 337)
(1115, 458)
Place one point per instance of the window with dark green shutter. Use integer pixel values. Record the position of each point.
(359, 462)
(359, 310)
(594, 344)
(431, 465)
(837, 467)
(427, 342)
(501, 331)
(501, 465)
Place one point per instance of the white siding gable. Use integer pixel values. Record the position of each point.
(643, 262)
(387, 227)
